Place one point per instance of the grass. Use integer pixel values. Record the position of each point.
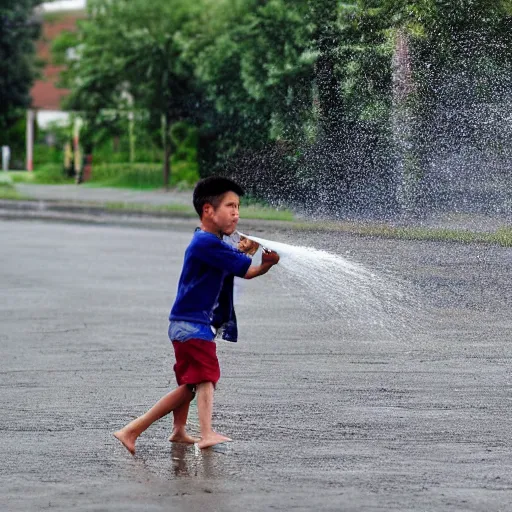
(136, 176)
(260, 212)
(502, 236)
(7, 188)
(250, 212)
(48, 174)
(142, 176)
(10, 193)
(137, 207)
(21, 176)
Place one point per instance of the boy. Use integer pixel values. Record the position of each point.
(204, 303)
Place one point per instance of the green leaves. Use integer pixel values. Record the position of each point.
(18, 30)
(301, 77)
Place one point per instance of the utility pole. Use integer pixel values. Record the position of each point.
(30, 140)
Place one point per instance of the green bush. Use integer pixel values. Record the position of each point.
(14, 137)
(6, 180)
(109, 149)
(51, 174)
(125, 175)
(184, 138)
(111, 154)
(106, 153)
(21, 176)
(44, 154)
(184, 174)
(142, 176)
(139, 176)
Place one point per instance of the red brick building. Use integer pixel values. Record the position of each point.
(45, 93)
(57, 17)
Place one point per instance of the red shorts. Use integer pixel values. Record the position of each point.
(196, 361)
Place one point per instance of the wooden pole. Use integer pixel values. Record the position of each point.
(30, 140)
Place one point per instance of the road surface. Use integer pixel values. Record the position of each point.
(325, 414)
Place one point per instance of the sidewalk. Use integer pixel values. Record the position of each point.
(88, 204)
(79, 193)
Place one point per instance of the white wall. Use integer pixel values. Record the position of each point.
(64, 5)
(44, 117)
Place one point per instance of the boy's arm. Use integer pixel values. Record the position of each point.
(268, 260)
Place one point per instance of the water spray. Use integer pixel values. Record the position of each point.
(332, 287)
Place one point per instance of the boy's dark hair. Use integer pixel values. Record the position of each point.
(210, 191)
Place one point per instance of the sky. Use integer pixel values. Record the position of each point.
(63, 5)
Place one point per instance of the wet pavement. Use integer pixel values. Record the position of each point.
(325, 415)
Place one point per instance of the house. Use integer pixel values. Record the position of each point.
(46, 96)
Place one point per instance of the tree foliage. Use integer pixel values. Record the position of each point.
(18, 30)
(127, 59)
(299, 93)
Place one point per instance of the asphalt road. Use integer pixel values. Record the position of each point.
(325, 414)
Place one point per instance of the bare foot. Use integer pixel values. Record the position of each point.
(180, 436)
(212, 439)
(127, 438)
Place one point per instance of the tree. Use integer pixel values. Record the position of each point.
(19, 28)
(298, 87)
(253, 61)
(300, 93)
(127, 58)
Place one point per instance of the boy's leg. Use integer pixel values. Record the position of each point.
(179, 433)
(205, 410)
(129, 433)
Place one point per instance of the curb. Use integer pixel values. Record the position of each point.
(98, 214)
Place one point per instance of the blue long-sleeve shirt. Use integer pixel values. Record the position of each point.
(205, 289)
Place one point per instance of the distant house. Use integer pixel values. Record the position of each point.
(46, 96)
(56, 17)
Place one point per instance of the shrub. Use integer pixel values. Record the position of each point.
(6, 180)
(44, 154)
(126, 175)
(184, 174)
(49, 174)
(142, 176)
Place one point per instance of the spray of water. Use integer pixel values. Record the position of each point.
(332, 287)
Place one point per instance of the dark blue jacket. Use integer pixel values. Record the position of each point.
(224, 314)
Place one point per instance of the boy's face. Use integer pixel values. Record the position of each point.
(225, 216)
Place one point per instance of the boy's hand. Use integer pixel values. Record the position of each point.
(269, 256)
(268, 259)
